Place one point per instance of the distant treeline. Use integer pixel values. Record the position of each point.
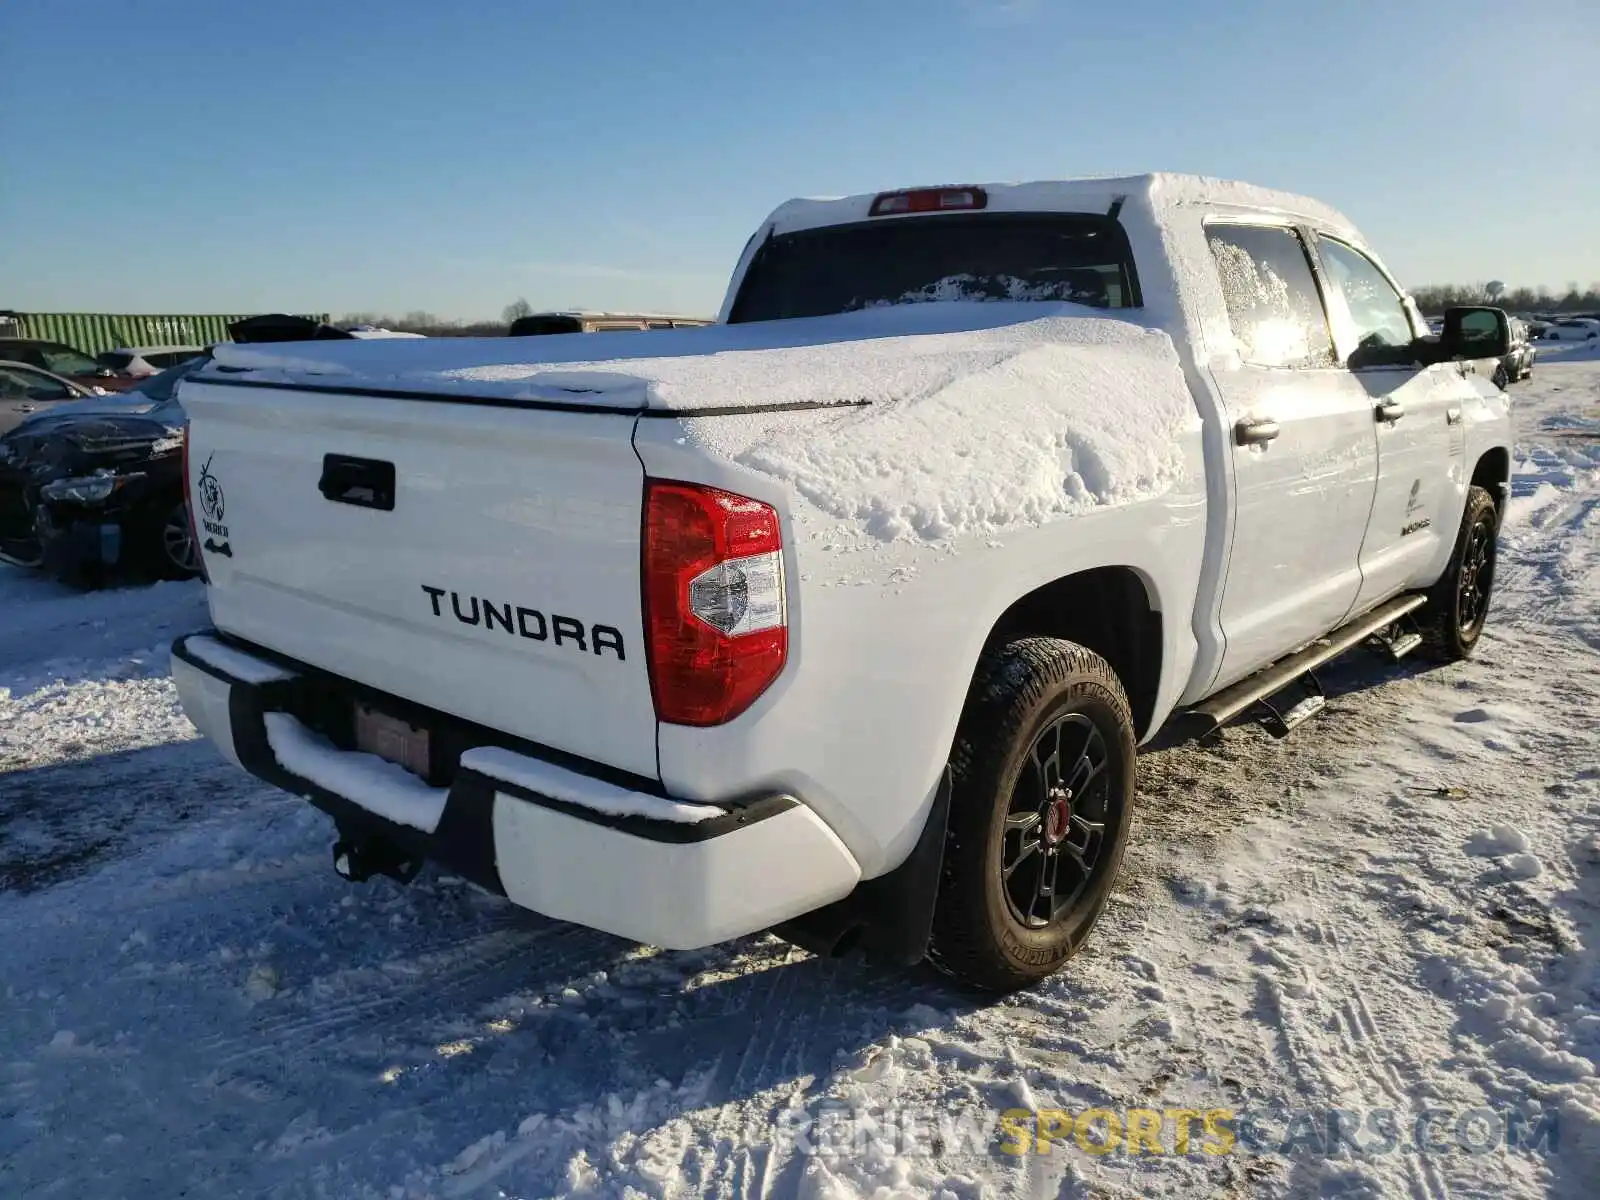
(1433, 299)
(1436, 298)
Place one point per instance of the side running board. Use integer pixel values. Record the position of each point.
(1216, 711)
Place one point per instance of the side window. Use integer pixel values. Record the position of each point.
(25, 385)
(13, 384)
(1271, 294)
(1370, 313)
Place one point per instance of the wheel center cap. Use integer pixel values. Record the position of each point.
(1057, 815)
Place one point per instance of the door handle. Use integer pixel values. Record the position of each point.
(1390, 411)
(1253, 433)
(1452, 415)
(363, 482)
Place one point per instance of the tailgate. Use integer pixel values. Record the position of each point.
(479, 560)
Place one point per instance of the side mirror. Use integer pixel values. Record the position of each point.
(1474, 332)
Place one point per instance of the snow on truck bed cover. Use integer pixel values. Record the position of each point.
(1095, 405)
(876, 355)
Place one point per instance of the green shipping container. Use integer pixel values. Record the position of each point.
(95, 333)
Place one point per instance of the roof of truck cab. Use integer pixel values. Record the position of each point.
(1162, 191)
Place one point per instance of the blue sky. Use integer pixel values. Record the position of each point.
(416, 154)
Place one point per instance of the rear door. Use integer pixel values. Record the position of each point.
(1416, 415)
(481, 560)
(1304, 453)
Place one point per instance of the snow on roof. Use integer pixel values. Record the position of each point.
(142, 350)
(1160, 190)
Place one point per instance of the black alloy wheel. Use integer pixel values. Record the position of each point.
(1056, 824)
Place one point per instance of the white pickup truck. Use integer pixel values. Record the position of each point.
(843, 616)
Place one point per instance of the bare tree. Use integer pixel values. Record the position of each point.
(516, 310)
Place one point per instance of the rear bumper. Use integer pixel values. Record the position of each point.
(550, 837)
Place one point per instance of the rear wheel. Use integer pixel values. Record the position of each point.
(1501, 377)
(1040, 807)
(1458, 606)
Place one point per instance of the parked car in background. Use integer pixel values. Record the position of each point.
(536, 324)
(26, 390)
(1518, 361)
(140, 362)
(361, 332)
(1573, 329)
(284, 327)
(61, 359)
(96, 485)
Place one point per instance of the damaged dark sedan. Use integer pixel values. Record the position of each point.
(95, 488)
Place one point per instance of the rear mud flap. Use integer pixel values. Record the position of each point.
(889, 918)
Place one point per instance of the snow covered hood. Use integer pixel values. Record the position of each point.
(872, 356)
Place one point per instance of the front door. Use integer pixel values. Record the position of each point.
(1304, 452)
(1416, 412)
(24, 391)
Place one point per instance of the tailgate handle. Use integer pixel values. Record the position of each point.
(364, 482)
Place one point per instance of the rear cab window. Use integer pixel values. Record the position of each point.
(1079, 258)
(1274, 306)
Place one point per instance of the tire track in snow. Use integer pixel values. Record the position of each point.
(727, 1173)
(1362, 1041)
(442, 986)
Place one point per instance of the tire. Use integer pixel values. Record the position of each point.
(174, 553)
(1501, 379)
(1458, 605)
(1032, 701)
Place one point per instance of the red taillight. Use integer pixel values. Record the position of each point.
(188, 504)
(714, 604)
(923, 200)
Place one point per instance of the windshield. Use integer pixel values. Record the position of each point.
(64, 360)
(1081, 259)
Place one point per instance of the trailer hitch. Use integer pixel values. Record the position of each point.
(359, 861)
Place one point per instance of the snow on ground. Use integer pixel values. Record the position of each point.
(1398, 908)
